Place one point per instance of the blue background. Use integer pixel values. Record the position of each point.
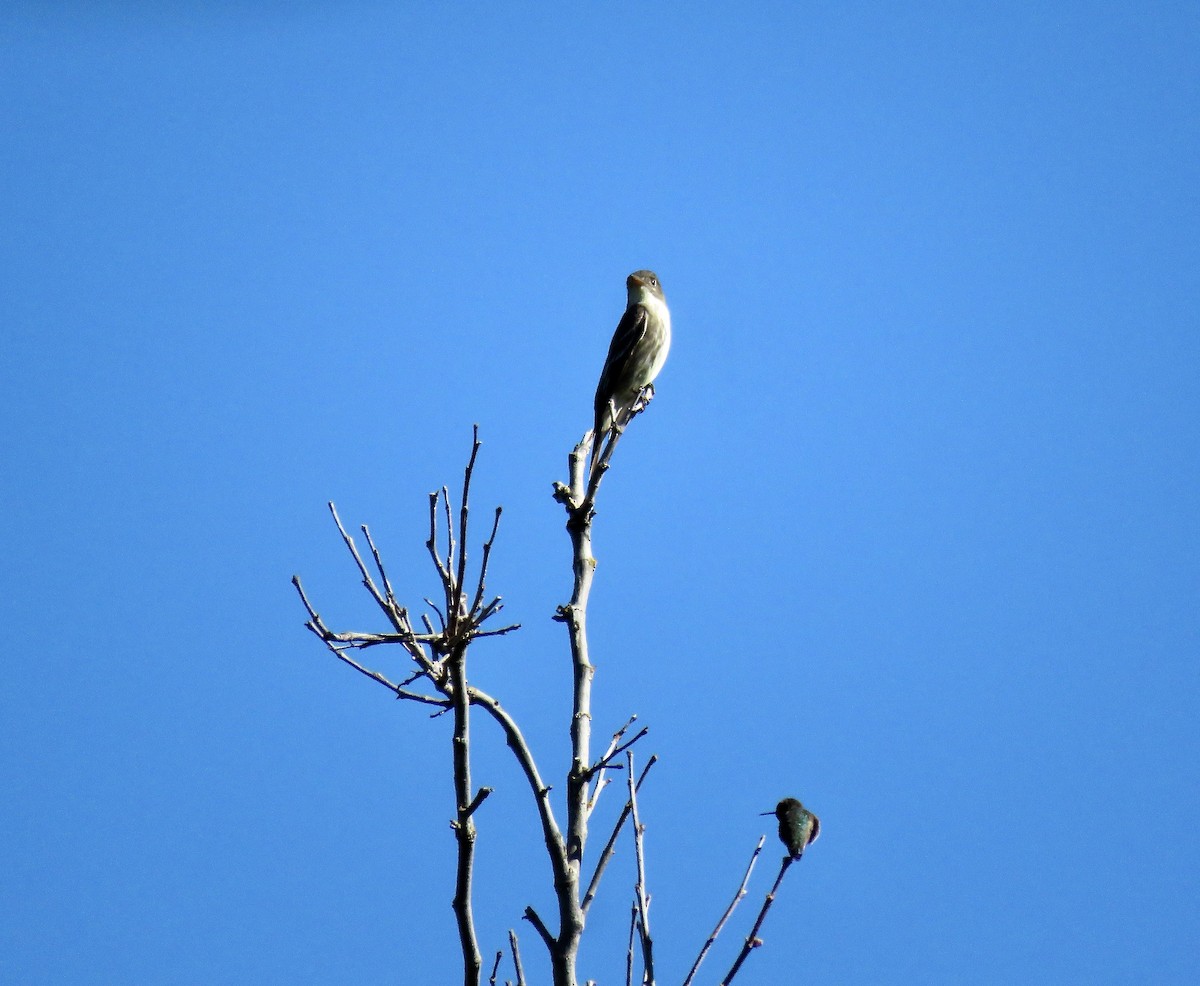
(910, 532)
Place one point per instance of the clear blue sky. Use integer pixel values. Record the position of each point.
(911, 531)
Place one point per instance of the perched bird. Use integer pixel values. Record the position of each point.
(637, 352)
(798, 827)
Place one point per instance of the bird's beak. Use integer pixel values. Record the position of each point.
(766, 813)
(637, 280)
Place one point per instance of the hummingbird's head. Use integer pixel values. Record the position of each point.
(785, 807)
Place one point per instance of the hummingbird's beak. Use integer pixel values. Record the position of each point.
(766, 813)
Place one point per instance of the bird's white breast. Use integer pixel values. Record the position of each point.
(657, 309)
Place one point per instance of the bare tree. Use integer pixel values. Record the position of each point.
(438, 651)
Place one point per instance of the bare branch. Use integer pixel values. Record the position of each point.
(431, 544)
(362, 640)
(312, 613)
(464, 507)
(440, 615)
(404, 693)
(464, 825)
(428, 624)
(642, 898)
(480, 797)
(498, 633)
(580, 512)
(535, 919)
(602, 779)
(411, 678)
(446, 671)
(367, 581)
(629, 952)
(412, 642)
(579, 500)
(555, 847)
(752, 939)
(516, 954)
(389, 595)
(607, 759)
(571, 493)
(608, 441)
(318, 628)
(737, 899)
(439, 655)
(483, 567)
(610, 846)
(612, 745)
(488, 611)
(450, 586)
(495, 967)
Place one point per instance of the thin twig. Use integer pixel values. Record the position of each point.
(606, 760)
(483, 565)
(464, 507)
(752, 939)
(361, 640)
(440, 615)
(431, 544)
(497, 633)
(411, 641)
(620, 421)
(389, 595)
(367, 581)
(629, 951)
(539, 925)
(495, 967)
(555, 848)
(602, 778)
(318, 628)
(480, 797)
(399, 691)
(516, 954)
(610, 846)
(737, 899)
(643, 899)
(488, 611)
(450, 586)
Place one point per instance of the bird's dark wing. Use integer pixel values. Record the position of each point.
(631, 330)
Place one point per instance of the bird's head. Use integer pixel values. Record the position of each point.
(784, 807)
(643, 285)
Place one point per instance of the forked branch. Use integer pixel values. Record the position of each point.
(737, 899)
(752, 940)
(440, 658)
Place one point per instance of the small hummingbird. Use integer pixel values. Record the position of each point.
(798, 827)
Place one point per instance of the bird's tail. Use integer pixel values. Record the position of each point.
(597, 441)
(606, 416)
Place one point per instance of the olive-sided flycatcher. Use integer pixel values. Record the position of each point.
(637, 352)
(798, 827)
